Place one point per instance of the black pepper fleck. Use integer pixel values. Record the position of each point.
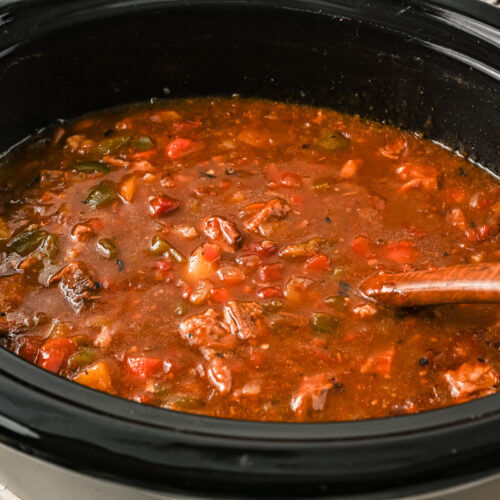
(344, 288)
(120, 264)
(328, 220)
(423, 361)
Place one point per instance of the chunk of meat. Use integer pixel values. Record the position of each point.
(160, 206)
(471, 379)
(76, 284)
(298, 252)
(365, 310)
(266, 213)
(418, 176)
(219, 375)
(231, 274)
(297, 289)
(82, 231)
(400, 252)
(263, 249)
(79, 144)
(312, 393)
(201, 293)
(245, 319)
(457, 218)
(12, 291)
(206, 330)
(222, 232)
(393, 150)
(249, 263)
(184, 231)
(286, 322)
(350, 168)
(379, 364)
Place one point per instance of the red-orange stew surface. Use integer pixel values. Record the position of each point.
(205, 256)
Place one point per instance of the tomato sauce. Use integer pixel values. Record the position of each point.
(205, 256)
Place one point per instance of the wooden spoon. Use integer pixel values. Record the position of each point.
(475, 283)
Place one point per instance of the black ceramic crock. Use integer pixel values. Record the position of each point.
(429, 66)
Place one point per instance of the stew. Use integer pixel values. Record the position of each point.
(204, 256)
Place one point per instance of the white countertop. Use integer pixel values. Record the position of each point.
(5, 494)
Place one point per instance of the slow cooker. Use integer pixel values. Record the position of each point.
(428, 66)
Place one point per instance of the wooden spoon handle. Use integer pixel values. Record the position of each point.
(449, 285)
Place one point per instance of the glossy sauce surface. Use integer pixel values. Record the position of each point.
(205, 256)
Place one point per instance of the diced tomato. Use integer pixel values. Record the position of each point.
(360, 246)
(321, 354)
(291, 180)
(186, 294)
(28, 347)
(478, 201)
(263, 249)
(177, 359)
(457, 218)
(96, 224)
(162, 205)
(257, 357)
(225, 184)
(482, 232)
(297, 199)
(479, 234)
(270, 292)
(179, 148)
(349, 337)
(269, 272)
(470, 234)
(402, 252)
(54, 353)
(319, 262)
(210, 252)
(144, 155)
(164, 265)
(454, 195)
(220, 295)
(145, 366)
(187, 125)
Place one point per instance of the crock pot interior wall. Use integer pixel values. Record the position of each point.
(266, 52)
